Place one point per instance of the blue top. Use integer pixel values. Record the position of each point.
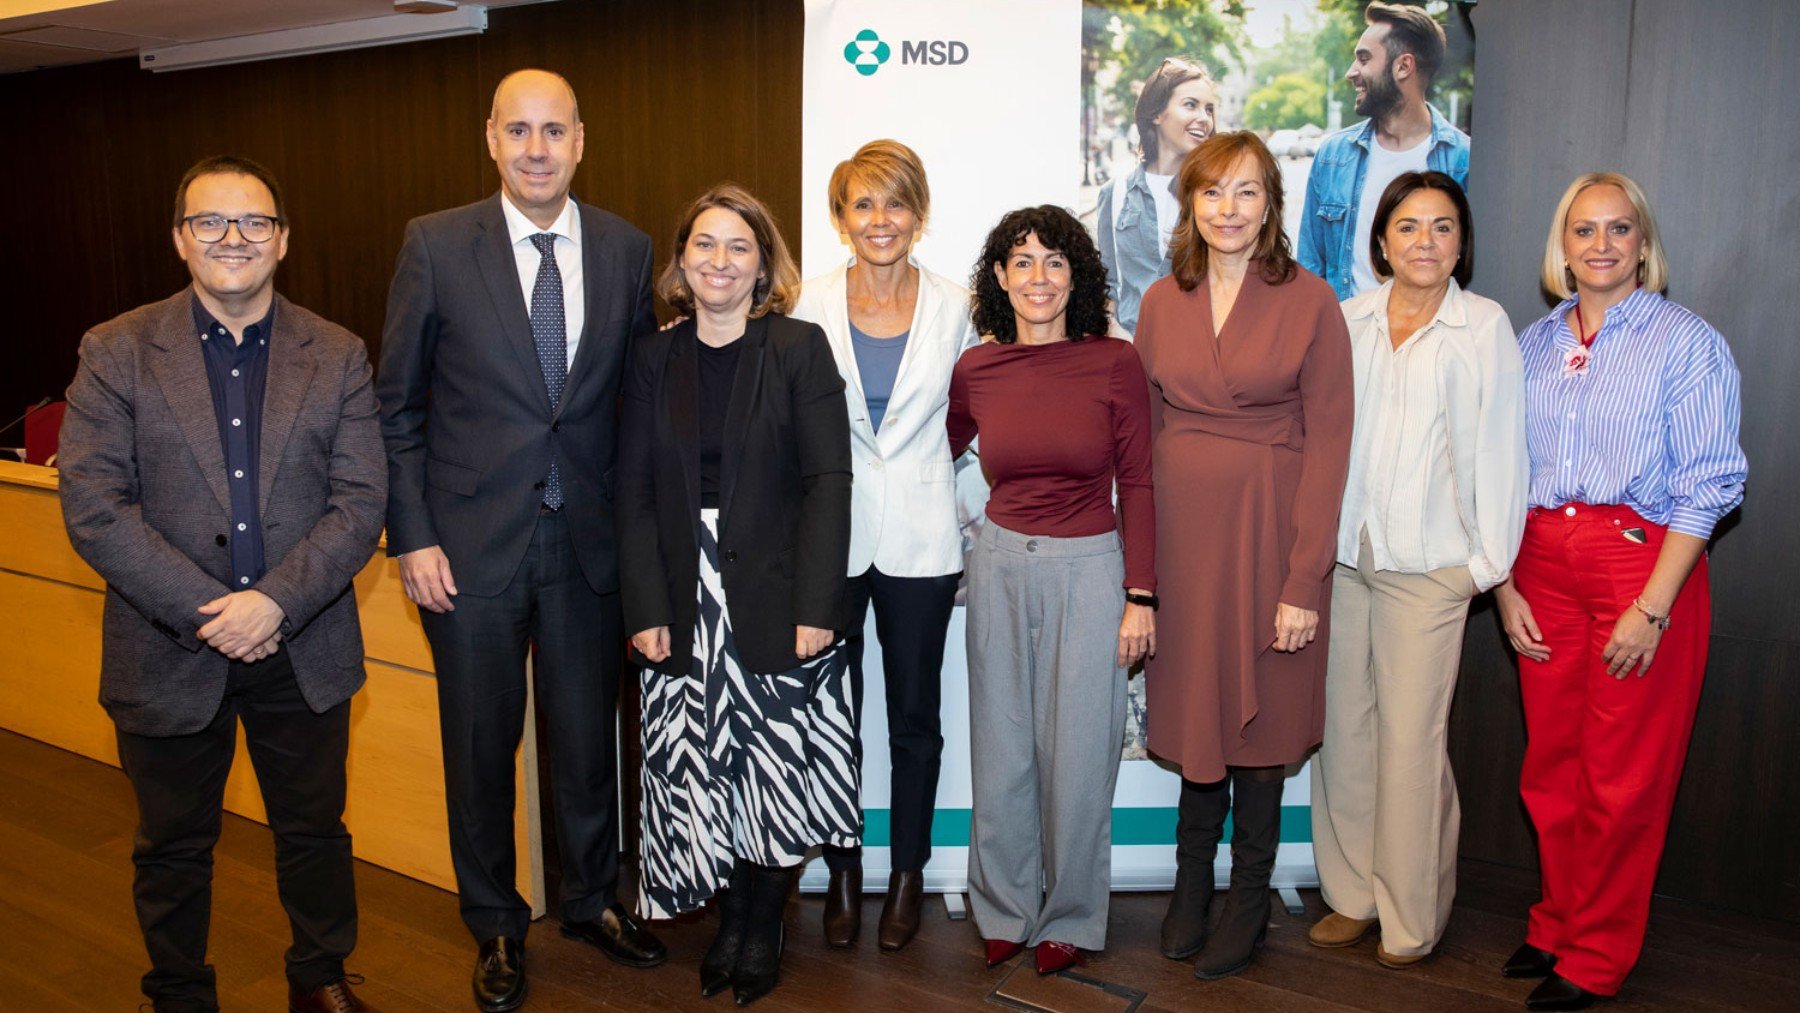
(1328, 233)
(877, 364)
(1652, 424)
(235, 373)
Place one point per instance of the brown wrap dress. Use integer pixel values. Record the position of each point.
(1251, 431)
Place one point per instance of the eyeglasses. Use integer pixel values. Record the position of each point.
(212, 228)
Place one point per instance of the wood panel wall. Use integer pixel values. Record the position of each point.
(676, 95)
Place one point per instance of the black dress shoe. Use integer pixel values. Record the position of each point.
(843, 907)
(615, 934)
(900, 912)
(1529, 962)
(1558, 992)
(500, 975)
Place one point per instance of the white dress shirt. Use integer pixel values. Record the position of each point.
(1437, 466)
(567, 229)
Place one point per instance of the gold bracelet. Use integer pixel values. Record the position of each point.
(1660, 622)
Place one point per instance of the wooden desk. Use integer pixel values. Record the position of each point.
(50, 685)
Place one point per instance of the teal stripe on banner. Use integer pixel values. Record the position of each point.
(1137, 825)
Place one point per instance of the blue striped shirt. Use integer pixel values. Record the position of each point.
(1653, 424)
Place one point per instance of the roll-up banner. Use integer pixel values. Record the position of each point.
(1012, 103)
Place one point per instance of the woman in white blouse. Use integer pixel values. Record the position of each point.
(1433, 511)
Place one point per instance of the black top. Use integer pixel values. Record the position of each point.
(235, 372)
(718, 371)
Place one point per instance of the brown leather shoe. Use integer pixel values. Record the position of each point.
(1335, 930)
(843, 907)
(900, 912)
(1396, 961)
(331, 997)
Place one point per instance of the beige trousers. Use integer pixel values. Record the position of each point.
(1384, 809)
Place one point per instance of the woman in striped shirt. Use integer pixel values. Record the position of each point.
(1631, 418)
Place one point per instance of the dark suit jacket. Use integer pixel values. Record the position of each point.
(469, 425)
(145, 501)
(784, 496)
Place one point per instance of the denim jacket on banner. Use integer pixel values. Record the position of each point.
(1334, 189)
(1130, 247)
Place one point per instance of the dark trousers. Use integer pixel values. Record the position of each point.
(479, 650)
(180, 786)
(911, 617)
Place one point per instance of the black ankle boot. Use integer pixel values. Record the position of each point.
(1255, 834)
(759, 962)
(1200, 822)
(722, 955)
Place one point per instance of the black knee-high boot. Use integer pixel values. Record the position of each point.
(759, 962)
(722, 956)
(1255, 835)
(1200, 822)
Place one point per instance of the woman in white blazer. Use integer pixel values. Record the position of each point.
(896, 330)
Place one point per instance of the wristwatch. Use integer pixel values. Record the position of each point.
(1149, 601)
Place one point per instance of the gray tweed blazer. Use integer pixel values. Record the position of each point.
(145, 501)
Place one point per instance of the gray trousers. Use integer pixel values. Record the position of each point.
(1047, 715)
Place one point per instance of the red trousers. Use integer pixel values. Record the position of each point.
(1603, 756)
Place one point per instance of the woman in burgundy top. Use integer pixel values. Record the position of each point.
(1062, 415)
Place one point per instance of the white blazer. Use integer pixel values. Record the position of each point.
(903, 492)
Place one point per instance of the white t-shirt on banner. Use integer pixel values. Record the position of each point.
(1384, 165)
(1168, 208)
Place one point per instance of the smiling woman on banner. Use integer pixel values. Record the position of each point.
(896, 330)
(1176, 109)
(1063, 414)
(733, 504)
(1631, 423)
(1433, 510)
(1249, 365)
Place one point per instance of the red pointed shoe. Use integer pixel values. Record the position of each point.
(1053, 957)
(999, 951)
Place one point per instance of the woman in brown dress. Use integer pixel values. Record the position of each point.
(1251, 420)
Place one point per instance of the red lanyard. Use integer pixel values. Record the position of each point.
(1586, 339)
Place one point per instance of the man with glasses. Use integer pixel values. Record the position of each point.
(508, 328)
(222, 469)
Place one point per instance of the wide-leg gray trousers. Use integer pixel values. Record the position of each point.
(1047, 719)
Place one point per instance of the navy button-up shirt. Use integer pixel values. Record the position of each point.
(235, 373)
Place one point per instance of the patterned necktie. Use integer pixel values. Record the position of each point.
(551, 335)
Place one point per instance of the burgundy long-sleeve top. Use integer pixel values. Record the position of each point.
(1059, 424)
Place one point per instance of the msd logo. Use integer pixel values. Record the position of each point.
(867, 52)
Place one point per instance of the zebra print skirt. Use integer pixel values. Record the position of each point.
(738, 764)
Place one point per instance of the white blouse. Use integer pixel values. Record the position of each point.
(1437, 466)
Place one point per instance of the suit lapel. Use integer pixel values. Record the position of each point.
(684, 404)
(179, 365)
(499, 269)
(593, 285)
(284, 388)
(744, 389)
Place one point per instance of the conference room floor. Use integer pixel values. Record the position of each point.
(68, 940)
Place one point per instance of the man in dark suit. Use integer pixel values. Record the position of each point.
(222, 470)
(508, 326)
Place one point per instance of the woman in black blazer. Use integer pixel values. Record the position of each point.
(734, 486)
